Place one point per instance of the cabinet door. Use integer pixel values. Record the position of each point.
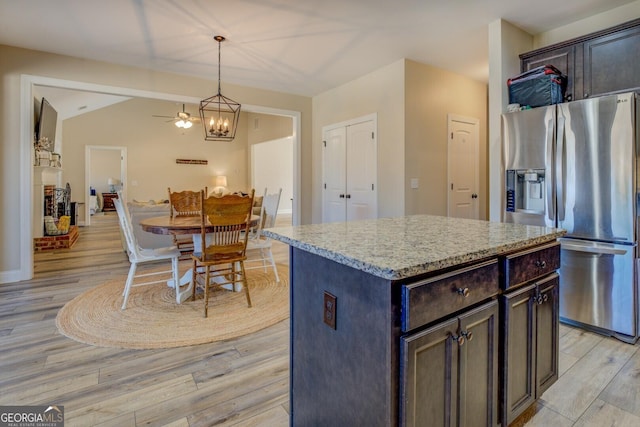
(611, 63)
(547, 333)
(450, 372)
(518, 382)
(564, 59)
(429, 376)
(478, 367)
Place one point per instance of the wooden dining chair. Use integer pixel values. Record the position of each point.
(138, 255)
(225, 224)
(184, 203)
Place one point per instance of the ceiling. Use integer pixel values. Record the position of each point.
(301, 47)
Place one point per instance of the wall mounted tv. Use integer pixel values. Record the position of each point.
(46, 126)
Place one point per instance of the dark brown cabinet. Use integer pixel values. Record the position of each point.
(529, 340)
(449, 371)
(600, 63)
(611, 63)
(107, 201)
(563, 58)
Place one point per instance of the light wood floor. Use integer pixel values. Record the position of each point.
(241, 382)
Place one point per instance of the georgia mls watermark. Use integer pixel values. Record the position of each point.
(31, 416)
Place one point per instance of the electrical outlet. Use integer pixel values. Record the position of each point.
(329, 309)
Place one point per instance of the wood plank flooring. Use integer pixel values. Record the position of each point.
(241, 382)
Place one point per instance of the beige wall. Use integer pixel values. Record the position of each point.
(267, 127)
(381, 92)
(17, 62)
(153, 145)
(412, 101)
(431, 94)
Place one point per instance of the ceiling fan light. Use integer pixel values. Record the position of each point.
(187, 124)
(181, 124)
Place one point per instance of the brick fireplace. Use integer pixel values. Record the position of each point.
(63, 241)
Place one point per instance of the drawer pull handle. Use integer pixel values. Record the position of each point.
(541, 264)
(463, 291)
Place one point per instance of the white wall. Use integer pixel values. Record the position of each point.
(588, 25)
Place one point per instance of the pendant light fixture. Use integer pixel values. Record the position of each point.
(219, 114)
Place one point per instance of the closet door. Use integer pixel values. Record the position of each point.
(349, 170)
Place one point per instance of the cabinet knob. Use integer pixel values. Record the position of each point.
(342, 196)
(463, 337)
(459, 339)
(463, 291)
(540, 298)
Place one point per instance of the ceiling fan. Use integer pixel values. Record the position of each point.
(182, 119)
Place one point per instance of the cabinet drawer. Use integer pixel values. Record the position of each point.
(448, 293)
(524, 266)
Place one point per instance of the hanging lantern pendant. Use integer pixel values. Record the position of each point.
(219, 114)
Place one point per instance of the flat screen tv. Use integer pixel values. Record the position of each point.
(46, 127)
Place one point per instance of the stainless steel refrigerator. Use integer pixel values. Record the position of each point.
(574, 166)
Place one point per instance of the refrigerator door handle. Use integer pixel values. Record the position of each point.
(551, 205)
(559, 172)
(604, 250)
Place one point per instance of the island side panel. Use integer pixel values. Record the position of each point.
(347, 376)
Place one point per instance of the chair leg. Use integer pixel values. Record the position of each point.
(194, 281)
(264, 259)
(273, 264)
(206, 291)
(176, 282)
(245, 285)
(128, 284)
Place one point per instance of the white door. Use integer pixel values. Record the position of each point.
(361, 172)
(334, 174)
(463, 167)
(349, 166)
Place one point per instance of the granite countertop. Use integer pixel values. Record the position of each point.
(398, 248)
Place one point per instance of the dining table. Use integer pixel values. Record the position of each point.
(183, 225)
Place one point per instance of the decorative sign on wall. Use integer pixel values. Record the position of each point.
(191, 162)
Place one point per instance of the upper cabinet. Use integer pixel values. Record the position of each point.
(600, 63)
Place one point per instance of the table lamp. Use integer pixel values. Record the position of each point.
(112, 185)
(220, 184)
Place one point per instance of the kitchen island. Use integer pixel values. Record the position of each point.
(420, 320)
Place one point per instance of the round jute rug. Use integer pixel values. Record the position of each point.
(152, 318)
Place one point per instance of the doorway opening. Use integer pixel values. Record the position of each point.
(29, 82)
